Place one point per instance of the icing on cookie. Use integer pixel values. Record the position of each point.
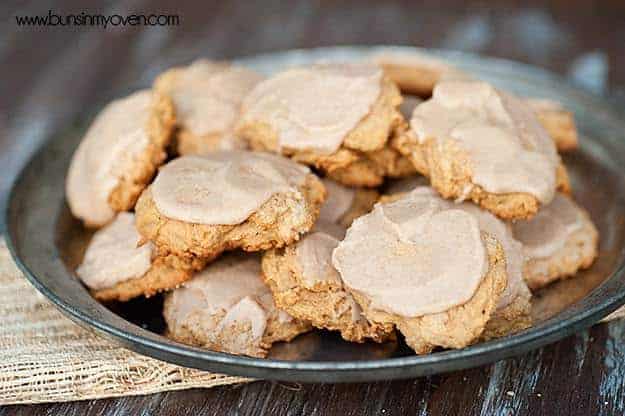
(414, 237)
(508, 149)
(116, 139)
(230, 288)
(314, 107)
(207, 95)
(339, 200)
(512, 248)
(488, 223)
(550, 229)
(314, 254)
(246, 310)
(502, 231)
(113, 256)
(223, 187)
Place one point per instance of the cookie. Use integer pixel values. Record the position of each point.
(478, 143)
(336, 117)
(560, 240)
(344, 204)
(303, 280)
(558, 121)
(432, 301)
(227, 307)
(306, 285)
(202, 205)
(415, 73)
(207, 97)
(418, 74)
(513, 310)
(118, 156)
(115, 268)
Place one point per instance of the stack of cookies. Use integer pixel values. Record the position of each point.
(264, 208)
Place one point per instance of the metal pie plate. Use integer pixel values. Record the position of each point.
(48, 243)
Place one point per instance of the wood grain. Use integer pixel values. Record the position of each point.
(581, 375)
(52, 76)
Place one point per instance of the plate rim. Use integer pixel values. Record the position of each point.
(352, 370)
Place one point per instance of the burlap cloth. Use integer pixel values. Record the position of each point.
(44, 357)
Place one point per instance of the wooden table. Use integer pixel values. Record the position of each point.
(50, 75)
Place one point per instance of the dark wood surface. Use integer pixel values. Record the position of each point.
(50, 76)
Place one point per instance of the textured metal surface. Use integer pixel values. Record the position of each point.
(48, 242)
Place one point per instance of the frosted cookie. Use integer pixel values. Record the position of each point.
(513, 310)
(207, 97)
(418, 74)
(306, 285)
(116, 268)
(478, 143)
(415, 73)
(203, 205)
(336, 117)
(227, 307)
(118, 156)
(344, 204)
(560, 240)
(404, 277)
(558, 121)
